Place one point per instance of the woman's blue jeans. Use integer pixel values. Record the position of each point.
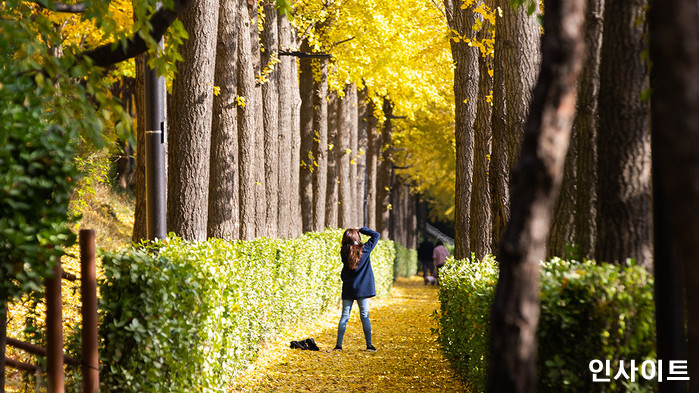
(363, 315)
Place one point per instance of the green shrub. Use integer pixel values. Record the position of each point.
(588, 312)
(406, 261)
(192, 317)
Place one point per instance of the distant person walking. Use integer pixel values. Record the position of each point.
(357, 280)
(424, 255)
(439, 256)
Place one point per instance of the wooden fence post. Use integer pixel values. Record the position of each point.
(88, 286)
(54, 332)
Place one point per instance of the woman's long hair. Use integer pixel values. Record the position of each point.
(351, 250)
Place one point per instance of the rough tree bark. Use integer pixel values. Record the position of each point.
(332, 198)
(465, 56)
(623, 222)
(384, 173)
(563, 223)
(674, 51)
(363, 145)
(223, 221)
(140, 225)
(190, 126)
(343, 158)
(286, 131)
(536, 180)
(499, 174)
(296, 209)
(481, 225)
(307, 166)
(320, 147)
(586, 120)
(261, 228)
(373, 142)
(521, 34)
(270, 102)
(351, 97)
(246, 125)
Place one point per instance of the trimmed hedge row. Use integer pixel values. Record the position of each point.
(588, 312)
(406, 261)
(192, 317)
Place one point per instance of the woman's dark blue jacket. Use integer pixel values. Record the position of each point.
(359, 283)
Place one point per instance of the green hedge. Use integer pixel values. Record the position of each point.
(588, 312)
(406, 261)
(192, 317)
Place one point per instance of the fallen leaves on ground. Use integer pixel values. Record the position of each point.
(407, 359)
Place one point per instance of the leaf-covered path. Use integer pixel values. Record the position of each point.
(408, 358)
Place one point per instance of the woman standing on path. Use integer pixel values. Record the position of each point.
(357, 280)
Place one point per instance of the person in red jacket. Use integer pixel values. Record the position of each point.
(357, 280)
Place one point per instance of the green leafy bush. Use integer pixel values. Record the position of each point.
(406, 261)
(588, 312)
(192, 317)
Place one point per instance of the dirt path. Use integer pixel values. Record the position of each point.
(408, 358)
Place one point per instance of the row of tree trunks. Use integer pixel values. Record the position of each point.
(254, 150)
(404, 223)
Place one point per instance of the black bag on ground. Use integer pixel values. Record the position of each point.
(308, 343)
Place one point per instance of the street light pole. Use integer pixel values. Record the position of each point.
(156, 202)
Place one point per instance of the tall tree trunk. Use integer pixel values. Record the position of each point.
(674, 51)
(343, 158)
(414, 225)
(320, 147)
(586, 120)
(190, 128)
(563, 224)
(296, 209)
(373, 141)
(623, 222)
(286, 131)
(499, 174)
(332, 198)
(384, 173)
(140, 225)
(522, 35)
(351, 97)
(261, 228)
(462, 20)
(223, 221)
(246, 125)
(363, 144)
(481, 225)
(536, 180)
(270, 102)
(307, 158)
